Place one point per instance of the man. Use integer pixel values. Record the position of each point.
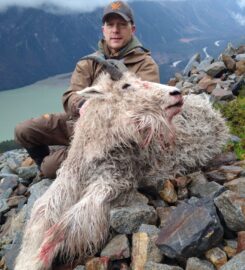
(119, 43)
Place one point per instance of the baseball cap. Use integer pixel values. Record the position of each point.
(121, 8)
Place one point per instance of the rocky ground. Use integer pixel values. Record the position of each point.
(191, 222)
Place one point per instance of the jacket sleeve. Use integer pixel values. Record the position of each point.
(149, 70)
(82, 77)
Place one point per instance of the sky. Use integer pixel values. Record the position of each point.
(69, 6)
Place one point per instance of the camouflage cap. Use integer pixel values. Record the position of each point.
(121, 8)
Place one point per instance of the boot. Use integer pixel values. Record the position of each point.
(38, 153)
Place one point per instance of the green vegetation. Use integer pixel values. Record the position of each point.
(234, 112)
(8, 145)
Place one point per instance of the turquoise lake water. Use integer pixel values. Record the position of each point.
(30, 101)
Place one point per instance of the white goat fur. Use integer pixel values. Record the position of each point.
(123, 138)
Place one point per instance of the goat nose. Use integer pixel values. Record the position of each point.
(175, 92)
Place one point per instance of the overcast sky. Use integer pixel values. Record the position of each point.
(70, 5)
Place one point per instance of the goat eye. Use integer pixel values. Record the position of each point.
(125, 86)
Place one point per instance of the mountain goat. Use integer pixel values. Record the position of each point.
(129, 131)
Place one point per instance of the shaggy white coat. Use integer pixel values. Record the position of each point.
(126, 136)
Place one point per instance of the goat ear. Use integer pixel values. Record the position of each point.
(91, 92)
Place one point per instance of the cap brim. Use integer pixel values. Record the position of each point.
(125, 17)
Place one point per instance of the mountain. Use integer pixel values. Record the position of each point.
(35, 44)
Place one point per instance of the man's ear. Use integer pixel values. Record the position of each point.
(133, 29)
(91, 92)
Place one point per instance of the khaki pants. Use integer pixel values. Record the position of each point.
(43, 131)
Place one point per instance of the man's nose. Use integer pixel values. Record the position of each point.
(115, 28)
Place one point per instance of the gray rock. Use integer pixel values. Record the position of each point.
(215, 68)
(127, 220)
(8, 181)
(159, 266)
(11, 252)
(151, 230)
(236, 263)
(240, 57)
(3, 208)
(27, 172)
(195, 263)
(230, 50)
(36, 191)
(14, 162)
(183, 235)
(193, 62)
(80, 267)
(118, 248)
(205, 63)
(6, 170)
(237, 185)
(219, 94)
(209, 189)
(232, 206)
(6, 194)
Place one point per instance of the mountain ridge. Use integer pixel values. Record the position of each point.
(35, 44)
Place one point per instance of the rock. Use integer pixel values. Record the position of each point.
(205, 63)
(222, 159)
(36, 191)
(20, 190)
(80, 267)
(237, 185)
(99, 263)
(215, 69)
(163, 213)
(230, 50)
(14, 201)
(183, 235)
(118, 248)
(240, 241)
(12, 252)
(232, 172)
(240, 68)
(209, 189)
(240, 57)
(127, 220)
(216, 256)
(144, 248)
(168, 193)
(207, 84)
(230, 251)
(217, 176)
(27, 162)
(232, 206)
(3, 208)
(27, 172)
(193, 62)
(195, 263)
(8, 181)
(236, 263)
(235, 89)
(158, 266)
(229, 62)
(6, 194)
(221, 94)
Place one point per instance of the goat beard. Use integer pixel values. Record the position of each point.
(163, 134)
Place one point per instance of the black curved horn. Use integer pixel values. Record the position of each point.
(114, 67)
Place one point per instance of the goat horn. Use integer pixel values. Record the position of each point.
(114, 67)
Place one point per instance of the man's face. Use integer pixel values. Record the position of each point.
(117, 32)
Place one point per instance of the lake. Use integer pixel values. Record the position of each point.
(30, 101)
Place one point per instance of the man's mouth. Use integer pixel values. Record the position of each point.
(116, 38)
